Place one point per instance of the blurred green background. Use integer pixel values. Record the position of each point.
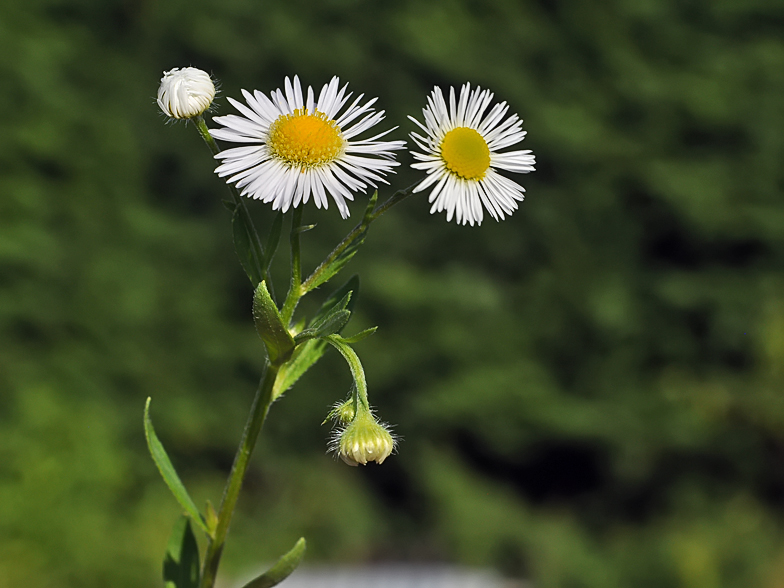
(589, 393)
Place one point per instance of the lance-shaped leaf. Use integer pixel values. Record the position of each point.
(359, 336)
(168, 472)
(248, 245)
(328, 323)
(338, 299)
(302, 360)
(269, 325)
(327, 271)
(282, 569)
(181, 564)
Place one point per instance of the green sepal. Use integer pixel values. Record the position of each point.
(181, 563)
(282, 569)
(359, 336)
(168, 472)
(272, 240)
(248, 245)
(269, 325)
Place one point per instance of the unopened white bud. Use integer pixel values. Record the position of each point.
(364, 440)
(186, 92)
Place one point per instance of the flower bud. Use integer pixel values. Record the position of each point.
(342, 412)
(186, 92)
(364, 440)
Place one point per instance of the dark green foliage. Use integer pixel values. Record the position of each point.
(181, 564)
(589, 393)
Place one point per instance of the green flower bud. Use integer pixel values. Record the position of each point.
(342, 412)
(364, 440)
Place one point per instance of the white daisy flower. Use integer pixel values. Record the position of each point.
(186, 92)
(462, 153)
(298, 146)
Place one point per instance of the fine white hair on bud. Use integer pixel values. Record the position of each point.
(186, 92)
(364, 440)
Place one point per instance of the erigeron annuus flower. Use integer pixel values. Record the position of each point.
(186, 92)
(298, 147)
(462, 153)
(364, 439)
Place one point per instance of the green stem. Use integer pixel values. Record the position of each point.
(295, 289)
(396, 198)
(357, 372)
(258, 413)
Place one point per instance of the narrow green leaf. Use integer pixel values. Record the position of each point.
(334, 323)
(359, 336)
(336, 298)
(282, 569)
(181, 563)
(341, 260)
(273, 239)
(168, 472)
(247, 245)
(269, 325)
(301, 361)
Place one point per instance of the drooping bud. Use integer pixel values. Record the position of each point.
(364, 440)
(186, 92)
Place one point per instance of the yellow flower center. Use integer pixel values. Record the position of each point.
(305, 140)
(466, 153)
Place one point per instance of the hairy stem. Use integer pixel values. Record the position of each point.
(396, 198)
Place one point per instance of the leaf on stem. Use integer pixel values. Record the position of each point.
(325, 273)
(168, 472)
(308, 353)
(181, 564)
(336, 299)
(269, 325)
(361, 335)
(302, 360)
(248, 245)
(282, 569)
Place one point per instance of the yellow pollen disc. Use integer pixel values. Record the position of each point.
(305, 140)
(466, 153)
